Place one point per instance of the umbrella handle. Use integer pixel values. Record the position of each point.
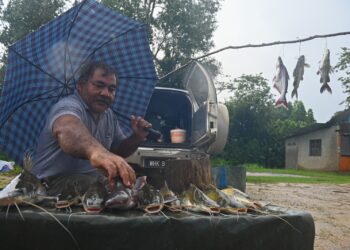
(154, 135)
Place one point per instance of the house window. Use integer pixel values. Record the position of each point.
(315, 147)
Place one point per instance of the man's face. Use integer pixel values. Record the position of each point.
(99, 92)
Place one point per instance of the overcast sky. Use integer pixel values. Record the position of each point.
(257, 21)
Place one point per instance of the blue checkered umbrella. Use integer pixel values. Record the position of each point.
(44, 66)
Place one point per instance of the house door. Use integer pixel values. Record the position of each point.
(344, 159)
(344, 156)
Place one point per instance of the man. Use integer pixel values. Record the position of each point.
(82, 138)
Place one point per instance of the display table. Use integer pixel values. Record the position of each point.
(134, 230)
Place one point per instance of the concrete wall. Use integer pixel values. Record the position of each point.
(297, 151)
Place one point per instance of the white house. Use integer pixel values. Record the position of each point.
(321, 146)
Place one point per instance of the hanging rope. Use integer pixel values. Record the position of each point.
(257, 46)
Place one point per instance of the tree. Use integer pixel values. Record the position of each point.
(21, 17)
(299, 114)
(178, 30)
(249, 110)
(257, 129)
(344, 65)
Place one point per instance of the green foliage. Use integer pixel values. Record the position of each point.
(219, 161)
(344, 66)
(178, 30)
(22, 17)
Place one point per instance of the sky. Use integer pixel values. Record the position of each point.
(243, 22)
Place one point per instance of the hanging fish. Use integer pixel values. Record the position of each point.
(298, 74)
(280, 82)
(324, 70)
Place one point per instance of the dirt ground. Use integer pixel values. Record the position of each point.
(329, 205)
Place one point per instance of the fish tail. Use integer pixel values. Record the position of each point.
(295, 93)
(324, 87)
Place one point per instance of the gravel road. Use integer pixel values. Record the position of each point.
(328, 204)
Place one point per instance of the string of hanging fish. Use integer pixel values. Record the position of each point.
(281, 77)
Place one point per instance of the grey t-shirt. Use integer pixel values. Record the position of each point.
(50, 159)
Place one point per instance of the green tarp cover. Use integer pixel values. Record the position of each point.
(134, 230)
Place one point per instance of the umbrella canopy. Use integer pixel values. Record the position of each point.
(44, 67)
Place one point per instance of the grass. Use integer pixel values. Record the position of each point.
(6, 177)
(304, 176)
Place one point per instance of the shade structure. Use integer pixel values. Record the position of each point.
(44, 66)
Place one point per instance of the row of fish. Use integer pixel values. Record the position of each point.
(281, 78)
(26, 189)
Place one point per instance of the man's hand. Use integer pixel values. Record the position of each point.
(113, 165)
(138, 125)
(74, 139)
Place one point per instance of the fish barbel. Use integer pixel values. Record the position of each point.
(123, 197)
(298, 74)
(324, 70)
(280, 82)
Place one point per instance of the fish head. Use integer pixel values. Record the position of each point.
(149, 195)
(30, 186)
(119, 199)
(94, 198)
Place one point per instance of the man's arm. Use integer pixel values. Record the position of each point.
(75, 139)
(129, 145)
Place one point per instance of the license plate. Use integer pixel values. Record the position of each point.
(155, 163)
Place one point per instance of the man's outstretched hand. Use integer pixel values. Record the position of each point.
(113, 166)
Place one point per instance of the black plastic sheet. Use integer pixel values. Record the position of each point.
(135, 230)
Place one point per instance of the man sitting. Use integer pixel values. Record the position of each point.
(82, 138)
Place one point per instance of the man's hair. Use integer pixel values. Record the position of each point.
(88, 69)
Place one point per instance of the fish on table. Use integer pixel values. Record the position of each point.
(228, 204)
(25, 188)
(324, 70)
(122, 197)
(242, 198)
(280, 82)
(150, 199)
(195, 200)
